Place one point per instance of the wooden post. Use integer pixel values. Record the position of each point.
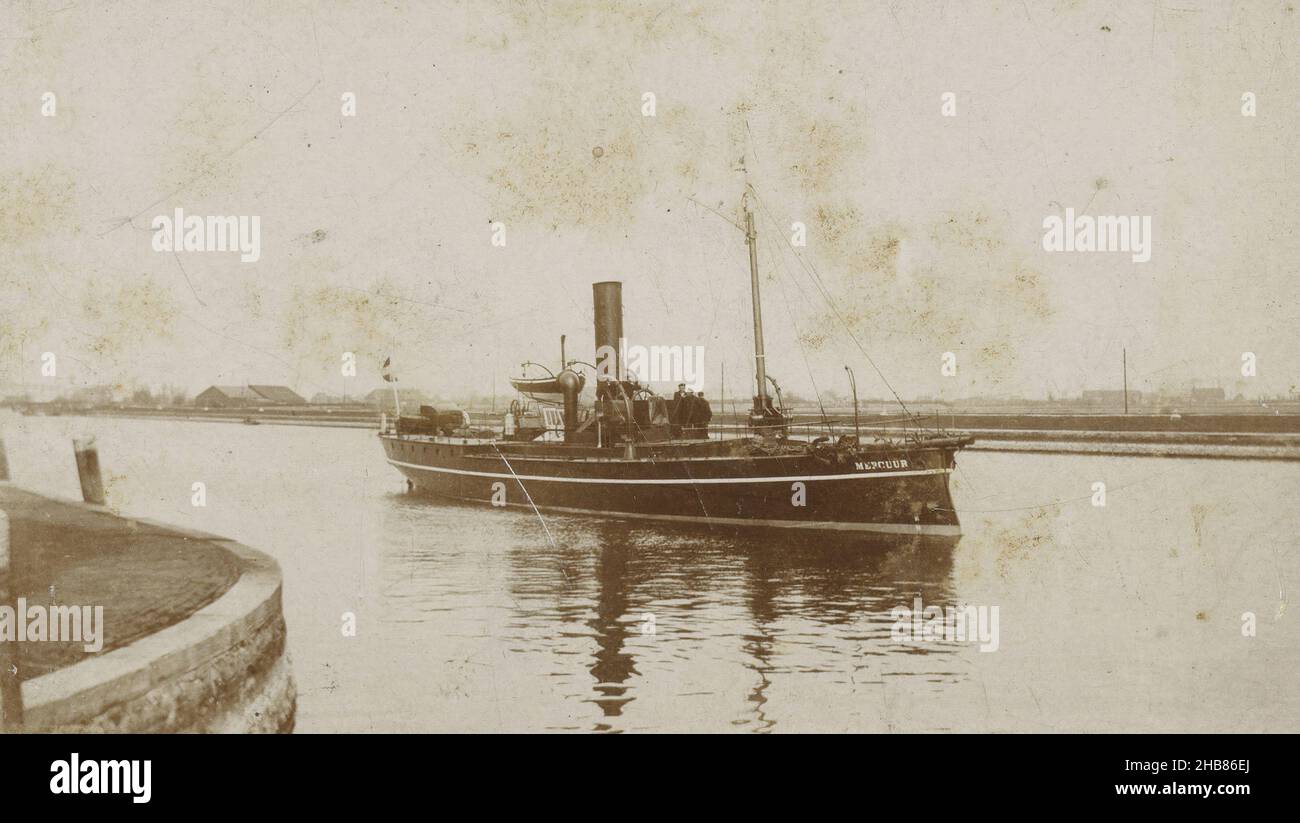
(11, 690)
(4, 461)
(92, 484)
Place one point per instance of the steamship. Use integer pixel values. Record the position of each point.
(622, 457)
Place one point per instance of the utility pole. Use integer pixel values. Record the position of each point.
(1125, 351)
(723, 388)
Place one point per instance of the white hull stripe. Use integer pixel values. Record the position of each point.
(933, 529)
(685, 481)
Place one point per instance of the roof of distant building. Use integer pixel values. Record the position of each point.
(280, 394)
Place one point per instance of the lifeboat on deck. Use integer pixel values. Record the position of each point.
(544, 385)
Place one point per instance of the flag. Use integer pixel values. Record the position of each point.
(388, 372)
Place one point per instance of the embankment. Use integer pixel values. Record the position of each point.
(193, 632)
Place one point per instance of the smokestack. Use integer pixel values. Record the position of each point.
(607, 302)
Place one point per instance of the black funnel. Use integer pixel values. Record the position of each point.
(607, 304)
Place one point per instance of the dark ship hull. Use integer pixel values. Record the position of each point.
(635, 455)
(899, 489)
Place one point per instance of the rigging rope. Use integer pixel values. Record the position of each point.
(811, 271)
(798, 339)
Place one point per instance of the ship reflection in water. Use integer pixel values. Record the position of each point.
(682, 618)
(848, 584)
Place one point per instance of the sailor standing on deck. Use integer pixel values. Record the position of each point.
(678, 409)
(686, 414)
(700, 417)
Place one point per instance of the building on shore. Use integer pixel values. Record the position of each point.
(222, 397)
(280, 395)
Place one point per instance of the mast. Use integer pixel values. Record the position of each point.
(857, 428)
(761, 402)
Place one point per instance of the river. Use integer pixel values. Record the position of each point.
(1127, 616)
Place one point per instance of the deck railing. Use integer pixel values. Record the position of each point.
(834, 429)
(804, 430)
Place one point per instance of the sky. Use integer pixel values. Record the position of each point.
(527, 121)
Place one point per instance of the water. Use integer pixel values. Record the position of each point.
(1122, 617)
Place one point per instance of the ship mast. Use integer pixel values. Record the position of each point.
(762, 413)
(761, 402)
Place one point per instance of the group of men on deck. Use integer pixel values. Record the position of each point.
(690, 413)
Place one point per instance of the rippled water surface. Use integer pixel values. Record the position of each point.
(1127, 616)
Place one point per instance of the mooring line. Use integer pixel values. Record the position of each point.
(536, 511)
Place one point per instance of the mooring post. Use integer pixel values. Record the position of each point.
(11, 690)
(92, 484)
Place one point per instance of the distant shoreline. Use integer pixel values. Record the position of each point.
(1243, 436)
(296, 416)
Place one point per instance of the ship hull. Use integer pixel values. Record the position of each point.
(893, 491)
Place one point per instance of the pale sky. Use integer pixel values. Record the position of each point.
(376, 229)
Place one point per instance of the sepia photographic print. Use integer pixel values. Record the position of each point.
(696, 367)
